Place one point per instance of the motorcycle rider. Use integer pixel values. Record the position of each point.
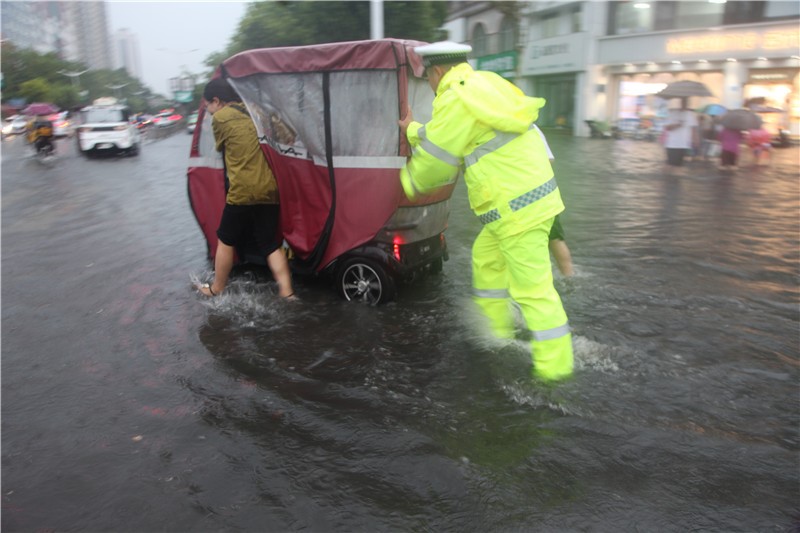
(40, 134)
(484, 125)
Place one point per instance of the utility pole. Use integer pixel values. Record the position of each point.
(376, 19)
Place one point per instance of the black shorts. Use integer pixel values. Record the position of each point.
(675, 156)
(556, 231)
(728, 158)
(243, 224)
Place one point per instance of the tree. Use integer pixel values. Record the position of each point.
(36, 90)
(33, 76)
(270, 24)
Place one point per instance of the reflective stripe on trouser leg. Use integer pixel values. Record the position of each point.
(531, 286)
(490, 284)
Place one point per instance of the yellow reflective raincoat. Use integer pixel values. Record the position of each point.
(483, 124)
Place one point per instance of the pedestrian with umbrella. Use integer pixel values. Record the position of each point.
(40, 108)
(681, 129)
(733, 123)
(730, 139)
(709, 129)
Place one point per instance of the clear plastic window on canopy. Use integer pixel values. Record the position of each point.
(364, 110)
(288, 110)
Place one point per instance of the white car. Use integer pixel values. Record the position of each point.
(15, 125)
(62, 125)
(164, 120)
(106, 127)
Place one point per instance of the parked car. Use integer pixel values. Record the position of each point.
(142, 121)
(106, 127)
(15, 125)
(163, 120)
(191, 123)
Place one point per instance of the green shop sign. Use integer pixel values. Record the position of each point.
(183, 97)
(504, 63)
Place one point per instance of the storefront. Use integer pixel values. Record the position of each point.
(504, 63)
(555, 69)
(757, 61)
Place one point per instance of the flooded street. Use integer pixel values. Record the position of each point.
(131, 404)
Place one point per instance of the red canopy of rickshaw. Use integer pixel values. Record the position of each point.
(328, 206)
(360, 55)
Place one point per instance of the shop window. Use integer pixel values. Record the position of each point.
(550, 25)
(699, 14)
(479, 41)
(576, 19)
(665, 15)
(508, 37)
(743, 12)
(782, 10)
(626, 17)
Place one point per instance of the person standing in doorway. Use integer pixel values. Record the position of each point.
(251, 203)
(680, 133)
(486, 124)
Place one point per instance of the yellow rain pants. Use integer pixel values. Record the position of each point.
(518, 267)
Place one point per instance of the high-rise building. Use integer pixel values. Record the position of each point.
(126, 52)
(92, 29)
(75, 31)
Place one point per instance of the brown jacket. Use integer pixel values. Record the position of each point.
(251, 180)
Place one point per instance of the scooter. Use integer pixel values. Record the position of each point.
(45, 149)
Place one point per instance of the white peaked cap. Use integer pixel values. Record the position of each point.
(443, 52)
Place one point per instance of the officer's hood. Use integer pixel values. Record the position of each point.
(491, 99)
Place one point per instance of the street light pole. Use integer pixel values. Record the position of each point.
(75, 77)
(115, 88)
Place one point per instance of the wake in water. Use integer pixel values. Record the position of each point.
(246, 302)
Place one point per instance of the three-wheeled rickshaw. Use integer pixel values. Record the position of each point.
(326, 116)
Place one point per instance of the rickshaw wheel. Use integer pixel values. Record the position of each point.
(362, 280)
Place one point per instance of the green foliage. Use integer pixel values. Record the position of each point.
(39, 78)
(271, 24)
(36, 90)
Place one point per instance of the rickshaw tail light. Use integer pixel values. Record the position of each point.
(396, 248)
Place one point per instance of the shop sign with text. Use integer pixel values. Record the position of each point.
(550, 56)
(744, 42)
(772, 75)
(504, 63)
(740, 41)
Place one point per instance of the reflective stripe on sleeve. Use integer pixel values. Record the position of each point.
(490, 293)
(501, 138)
(550, 334)
(436, 151)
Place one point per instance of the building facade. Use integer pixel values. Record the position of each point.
(742, 51)
(75, 31)
(126, 52)
(605, 61)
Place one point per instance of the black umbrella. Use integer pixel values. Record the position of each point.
(684, 89)
(741, 119)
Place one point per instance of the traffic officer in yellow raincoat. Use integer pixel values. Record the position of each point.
(484, 124)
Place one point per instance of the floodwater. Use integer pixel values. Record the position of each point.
(131, 404)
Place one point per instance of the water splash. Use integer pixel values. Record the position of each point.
(246, 302)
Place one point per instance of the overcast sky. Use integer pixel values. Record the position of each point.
(172, 34)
